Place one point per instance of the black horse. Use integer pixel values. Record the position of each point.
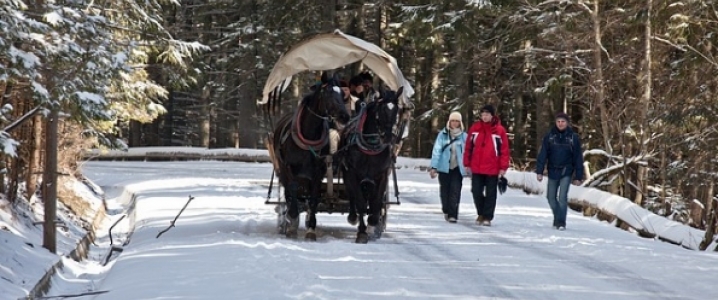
(369, 142)
(300, 143)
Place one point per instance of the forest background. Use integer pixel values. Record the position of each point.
(637, 77)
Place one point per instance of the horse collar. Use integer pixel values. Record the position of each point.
(303, 142)
(363, 146)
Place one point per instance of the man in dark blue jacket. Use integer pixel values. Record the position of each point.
(561, 154)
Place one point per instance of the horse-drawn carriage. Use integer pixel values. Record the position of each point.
(370, 140)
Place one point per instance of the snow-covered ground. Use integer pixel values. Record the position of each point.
(225, 246)
(23, 260)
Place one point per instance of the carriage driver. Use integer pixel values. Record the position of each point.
(350, 103)
(349, 99)
(367, 83)
(356, 88)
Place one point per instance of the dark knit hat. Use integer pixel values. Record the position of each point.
(366, 76)
(562, 115)
(489, 109)
(356, 80)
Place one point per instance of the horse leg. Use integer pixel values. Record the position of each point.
(361, 207)
(352, 217)
(311, 220)
(292, 214)
(369, 190)
(351, 192)
(376, 206)
(362, 236)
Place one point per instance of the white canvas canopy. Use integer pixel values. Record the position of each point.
(331, 51)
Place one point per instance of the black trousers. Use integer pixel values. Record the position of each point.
(485, 202)
(450, 191)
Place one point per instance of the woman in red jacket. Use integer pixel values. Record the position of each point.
(486, 157)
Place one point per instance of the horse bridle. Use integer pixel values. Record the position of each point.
(303, 143)
(360, 140)
(328, 118)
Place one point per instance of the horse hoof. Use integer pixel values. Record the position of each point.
(372, 220)
(310, 236)
(352, 219)
(362, 238)
(291, 227)
(292, 234)
(377, 233)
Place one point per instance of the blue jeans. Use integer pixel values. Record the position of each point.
(559, 207)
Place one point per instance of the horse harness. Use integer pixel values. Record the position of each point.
(299, 139)
(368, 143)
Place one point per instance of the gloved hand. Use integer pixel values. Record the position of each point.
(433, 173)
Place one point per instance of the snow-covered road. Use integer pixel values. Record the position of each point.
(225, 246)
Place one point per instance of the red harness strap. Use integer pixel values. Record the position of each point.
(301, 141)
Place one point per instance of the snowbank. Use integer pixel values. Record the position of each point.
(25, 266)
(624, 209)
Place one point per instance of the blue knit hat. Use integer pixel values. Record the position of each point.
(562, 115)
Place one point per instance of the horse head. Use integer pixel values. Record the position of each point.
(328, 99)
(387, 112)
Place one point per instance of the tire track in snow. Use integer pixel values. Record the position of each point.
(453, 260)
(614, 275)
(461, 277)
(628, 279)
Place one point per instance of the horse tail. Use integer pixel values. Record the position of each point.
(269, 141)
(276, 140)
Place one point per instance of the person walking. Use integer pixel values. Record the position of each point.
(561, 154)
(486, 157)
(447, 161)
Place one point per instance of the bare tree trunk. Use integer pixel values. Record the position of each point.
(357, 28)
(647, 73)
(204, 122)
(380, 27)
(664, 200)
(711, 215)
(461, 73)
(6, 98)
(471, 88)
(34, 165)
(624, 168)
(49, 182)
(419, 100)
(568, 85)
(431, 64)
(329, 13)
(598, 78)
(645, 101)
(640, 178)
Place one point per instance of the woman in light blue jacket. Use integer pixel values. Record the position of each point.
(447, 160)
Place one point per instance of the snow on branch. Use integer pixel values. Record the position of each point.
(684, 47)
(620, 163)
